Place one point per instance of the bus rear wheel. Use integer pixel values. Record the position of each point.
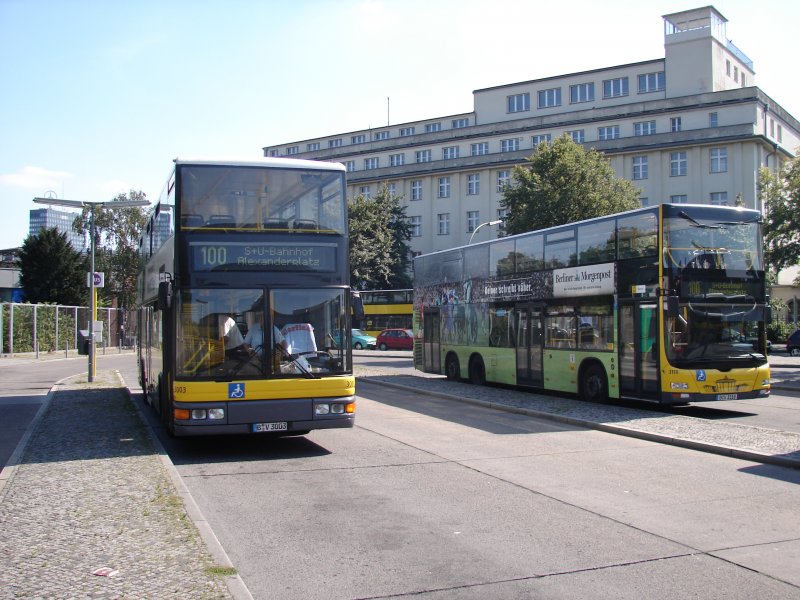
(452, 369)
(477, 371)
(594, 384)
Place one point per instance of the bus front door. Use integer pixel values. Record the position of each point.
(431, 350)
(638, 349)
(530, 340)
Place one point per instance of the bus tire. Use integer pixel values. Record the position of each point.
(477, 371)
(452, 368)
(594, 384)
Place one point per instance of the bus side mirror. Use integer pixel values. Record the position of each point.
(358, 306)
(164, 295)
(673, 306)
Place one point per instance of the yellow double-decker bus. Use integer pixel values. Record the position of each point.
(386, 309)
(245, 304)
(665, 304)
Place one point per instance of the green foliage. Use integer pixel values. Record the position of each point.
(562, 183)
(51, 270)
(116, 247)
(780, 196)
(379, 249)
(778, 331)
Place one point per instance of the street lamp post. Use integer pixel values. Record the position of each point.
(111, 205)
(474, 231)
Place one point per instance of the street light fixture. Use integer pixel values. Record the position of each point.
(111, 205)
(474, 231)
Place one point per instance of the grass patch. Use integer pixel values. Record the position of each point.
(217, 571)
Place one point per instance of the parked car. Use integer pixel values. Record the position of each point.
(793, 343)
(395, 339)
(362, 340)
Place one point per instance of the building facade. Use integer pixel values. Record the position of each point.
(691, 127)
(47, 218)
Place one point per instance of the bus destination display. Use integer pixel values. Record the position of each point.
(244, 256)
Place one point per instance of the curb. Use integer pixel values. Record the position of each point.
(614, 429)
(234, 583)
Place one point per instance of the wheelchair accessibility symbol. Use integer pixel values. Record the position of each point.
(235, 390)
(700, 375)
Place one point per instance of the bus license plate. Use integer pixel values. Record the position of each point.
(727, 397)
(264, 427)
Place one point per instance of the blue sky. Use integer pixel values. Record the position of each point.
(97, 97)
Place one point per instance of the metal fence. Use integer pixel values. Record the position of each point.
(47, 328)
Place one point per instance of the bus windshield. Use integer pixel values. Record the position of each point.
(233, 333)
(259, 198)
(713, 333)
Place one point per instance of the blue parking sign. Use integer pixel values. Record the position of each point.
(236, 390)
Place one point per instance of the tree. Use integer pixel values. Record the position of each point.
(51, 270)
(117, 233)
(561, 183)
(780, 195)
(379, 249)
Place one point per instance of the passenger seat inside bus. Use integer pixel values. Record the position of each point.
(192, 221)
(222, 221)
(276, 224)
(305, 224)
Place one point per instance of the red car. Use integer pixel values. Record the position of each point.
(395, 339)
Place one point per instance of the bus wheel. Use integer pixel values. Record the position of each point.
(594, 384)
(451, 368)
(477, 372)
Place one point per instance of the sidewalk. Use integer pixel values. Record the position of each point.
(90, 507)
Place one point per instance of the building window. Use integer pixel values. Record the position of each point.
(449, 152)
(479, 149)
(293, 150)
(406, 131)
(583, 92)
(640, 167)
(371, 163)
(473, 184)
(502, 214)
(719, 198)
(678, 166)
(415, 226)
(337, 143)
(381, 135)
(364, 191)
(416, 190)
(578, 136)
(358, 139)
(397, 160)
(540, 138)
(652, 82)
(392, 189)
(423, 156)
(433, 127)
(271, 153)
(549, 98)
(675, 124)
(519, 102)
(644, 201)
(511, 145)
(713, 119)
(644, 128)
(736, 73)
(608, 133)
(615, 88)
(473, 220)
(350, 165)
(460, 123)
(780, 133)
(444, 187)
(444, 223)
(718, 160)
(679, 199)
(312, 146)
(503, 180)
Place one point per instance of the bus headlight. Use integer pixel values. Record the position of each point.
(322, 409)
(216, 413)
(199, 414)
(679, 386)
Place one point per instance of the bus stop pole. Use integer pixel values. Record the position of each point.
(92, 297)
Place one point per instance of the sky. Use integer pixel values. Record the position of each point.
(97, 97)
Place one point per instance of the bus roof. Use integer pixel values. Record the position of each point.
(283, 163)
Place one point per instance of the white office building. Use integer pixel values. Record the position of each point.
(690, 127)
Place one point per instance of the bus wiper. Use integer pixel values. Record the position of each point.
(696, 223)
(296, 362)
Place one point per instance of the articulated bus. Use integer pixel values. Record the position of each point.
(665, 304)
(245, 304)
(386, 309)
